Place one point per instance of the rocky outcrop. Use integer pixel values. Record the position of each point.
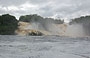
(29, 32)
(24, 30)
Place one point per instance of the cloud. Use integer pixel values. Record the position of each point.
(66, 9)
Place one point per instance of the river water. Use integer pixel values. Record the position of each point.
(12, 46)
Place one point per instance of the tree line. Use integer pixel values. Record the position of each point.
(9, 23)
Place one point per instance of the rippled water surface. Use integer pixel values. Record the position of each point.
(44, 47)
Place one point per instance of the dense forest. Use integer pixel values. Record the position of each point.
(82, 19)
(37, 18)
(8, 24)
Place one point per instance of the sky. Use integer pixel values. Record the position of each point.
(64, 9)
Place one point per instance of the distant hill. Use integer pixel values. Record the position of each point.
(8, 24)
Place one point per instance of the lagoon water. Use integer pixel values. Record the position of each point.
(12, 46)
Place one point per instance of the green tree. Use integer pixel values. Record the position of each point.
(8, 24)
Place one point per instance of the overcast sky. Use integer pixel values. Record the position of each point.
(66, 9)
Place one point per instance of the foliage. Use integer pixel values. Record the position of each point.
(30, 18)
(37, 18)
(82, 19)
(8, 24)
